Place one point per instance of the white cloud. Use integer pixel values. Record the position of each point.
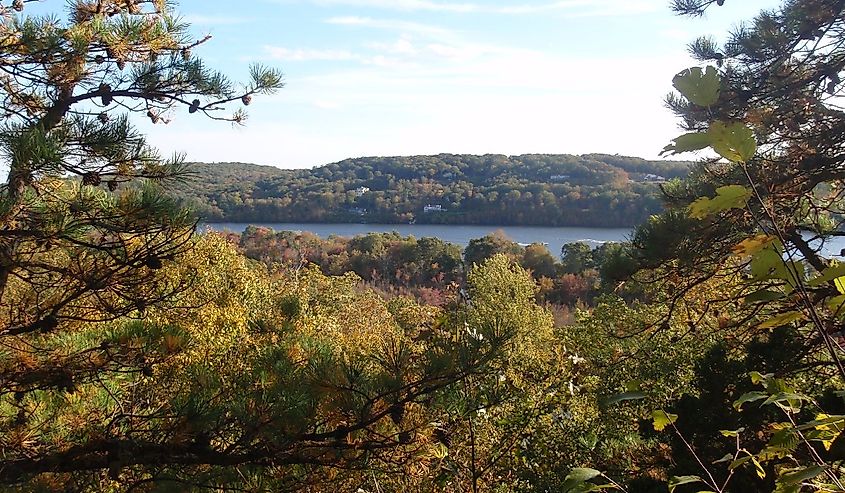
(404, 5)
(307, 55)
(388, 24)
(576, 8)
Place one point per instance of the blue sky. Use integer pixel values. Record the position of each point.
(402, 77)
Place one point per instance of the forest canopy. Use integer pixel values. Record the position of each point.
(539, 190)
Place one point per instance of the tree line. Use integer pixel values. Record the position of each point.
(430, 269)
(540, 190)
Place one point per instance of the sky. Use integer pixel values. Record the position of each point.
(405, 77)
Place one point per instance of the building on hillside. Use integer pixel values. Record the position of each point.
(361, 191)
(433, 208)
(651, 177)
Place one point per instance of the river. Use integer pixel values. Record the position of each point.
(554, 238)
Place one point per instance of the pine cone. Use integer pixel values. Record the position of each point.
(18, 5)
(113, 184)
(103, 117)
(49, 323)
(246, 99)
(91, 178)
(105, 94)
(153, 263)
(195, 104)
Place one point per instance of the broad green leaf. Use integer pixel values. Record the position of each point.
(749, 397)
(782, 319)
(693, 141)
(823, 422)
(796, 273)
(763, 295)
(676, 481)
(725, 458)
(758, 378)
(661, 419)
(767, 264)
(727, 197)
(624, 396)
(576, 480)
(837, 305)
(833, 271)
(777, 385)
(700, 87)
(782, 443)
(731, 433)
(733, 141)
(786, 400)
(797, 476)
(738, 462)
(583, 474)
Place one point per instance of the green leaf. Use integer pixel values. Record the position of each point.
(727, 197)
(763, 295)
(758, 467)
(825, 421)
(633, 386)
(700, 87)
(725, 458)
(767, 264)
(693, 141)
(782, 319)
(786, 400)
(733, 141)
(833, 271)
(661, 419)
(738, 462)
(731, 433)
(624, 396)
(796, 477)
(583, 474)
(837, 305)
(676, 481)
(576, 480)
(749, 397)
(758, 378)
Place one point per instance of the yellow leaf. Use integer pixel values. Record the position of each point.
(839, 282)
(750, 246)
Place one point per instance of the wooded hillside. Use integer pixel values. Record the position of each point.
(535, 189)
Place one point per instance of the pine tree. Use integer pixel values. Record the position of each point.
(86, 224)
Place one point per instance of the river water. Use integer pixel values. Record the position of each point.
(554, 238)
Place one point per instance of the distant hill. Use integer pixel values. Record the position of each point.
(535, 189)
